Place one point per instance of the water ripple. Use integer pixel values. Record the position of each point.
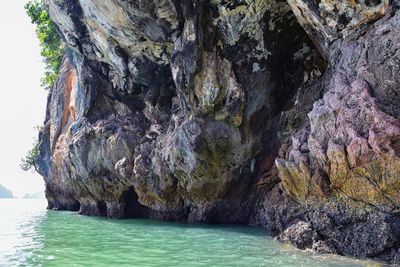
(32, 236)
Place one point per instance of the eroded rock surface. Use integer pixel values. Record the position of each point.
(281, 114)
(349, 148)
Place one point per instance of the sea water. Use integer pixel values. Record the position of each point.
(30, 235)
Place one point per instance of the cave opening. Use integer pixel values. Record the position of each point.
(131, 208)
(102, 208)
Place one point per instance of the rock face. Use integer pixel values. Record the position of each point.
(281, 114)
(350, 147)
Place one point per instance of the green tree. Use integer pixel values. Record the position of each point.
(52, 51)
(52, 48)
(29, 162)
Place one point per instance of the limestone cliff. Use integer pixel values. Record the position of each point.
(276, 113)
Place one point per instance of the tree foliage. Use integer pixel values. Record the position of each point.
(29, 162)
(52, 48)
(52, 51)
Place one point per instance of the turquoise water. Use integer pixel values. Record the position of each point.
(32, 236)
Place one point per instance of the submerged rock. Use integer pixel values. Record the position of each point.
(275, 113)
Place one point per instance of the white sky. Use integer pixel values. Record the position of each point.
(22, 100)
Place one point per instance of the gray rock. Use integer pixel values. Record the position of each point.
(300, 235)
(273, 113)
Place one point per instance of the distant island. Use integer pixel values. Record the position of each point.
(5, 193)
(37, 195)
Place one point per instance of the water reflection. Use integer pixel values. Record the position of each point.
(19, 235)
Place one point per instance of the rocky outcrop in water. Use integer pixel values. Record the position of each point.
(275, 113)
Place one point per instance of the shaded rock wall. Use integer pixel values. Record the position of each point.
(276, 113)
(175, 100)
